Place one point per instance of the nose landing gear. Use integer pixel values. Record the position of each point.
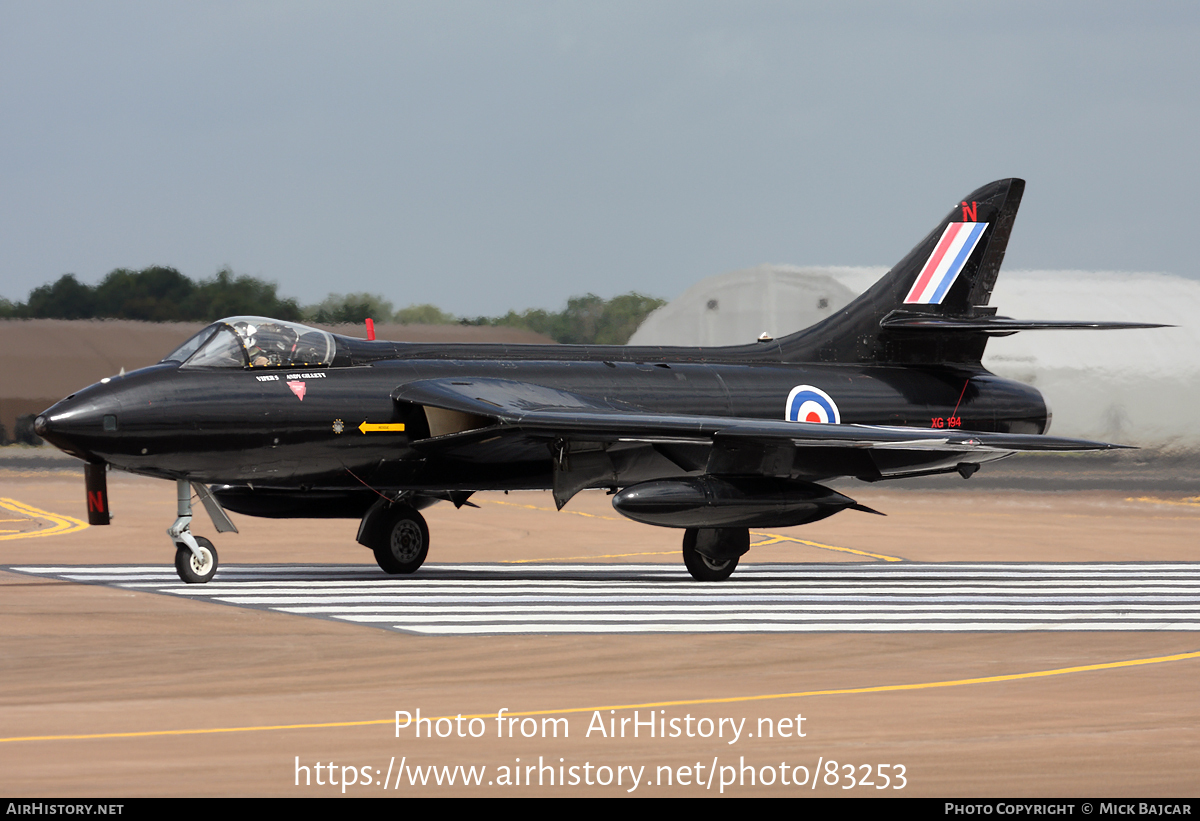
(195, 556)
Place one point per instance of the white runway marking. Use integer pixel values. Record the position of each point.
(489, 599)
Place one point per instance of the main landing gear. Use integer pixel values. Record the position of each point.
(195, 556)
(711, 553)
(398, 536)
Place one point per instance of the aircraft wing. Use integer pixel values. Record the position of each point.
(545, 413)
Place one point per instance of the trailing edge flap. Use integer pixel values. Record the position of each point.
(997, 325)
(545, 413)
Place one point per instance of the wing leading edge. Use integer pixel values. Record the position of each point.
(544, 412)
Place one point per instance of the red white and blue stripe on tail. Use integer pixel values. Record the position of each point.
(945, 263)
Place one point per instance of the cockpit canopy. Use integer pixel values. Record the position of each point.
(256, 342)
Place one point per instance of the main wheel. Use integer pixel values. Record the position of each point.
(403, 541)
(702, 568)
(196, 570)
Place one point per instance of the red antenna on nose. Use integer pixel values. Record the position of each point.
(370, 328)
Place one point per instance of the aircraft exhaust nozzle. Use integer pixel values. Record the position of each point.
(711, 501)
(96, 483)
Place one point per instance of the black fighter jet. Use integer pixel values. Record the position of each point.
(275, 419)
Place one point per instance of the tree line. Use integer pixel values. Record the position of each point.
(162, 294)
(154, 294)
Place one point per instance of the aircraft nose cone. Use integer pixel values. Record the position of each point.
(78, 423)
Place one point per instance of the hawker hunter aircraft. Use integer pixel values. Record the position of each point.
(275, 419)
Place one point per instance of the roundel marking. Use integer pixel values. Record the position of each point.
(808, 404)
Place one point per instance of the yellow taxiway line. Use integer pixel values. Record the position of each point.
(60, 524)
(1190, 501)
(776, 538)
(883, 688)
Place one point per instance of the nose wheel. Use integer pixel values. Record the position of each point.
(196, 567)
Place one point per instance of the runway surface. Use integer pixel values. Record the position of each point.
(989, 640)
(463, 599)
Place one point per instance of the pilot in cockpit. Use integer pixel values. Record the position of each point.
(268, 344)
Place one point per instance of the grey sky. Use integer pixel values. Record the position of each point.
(486, 156)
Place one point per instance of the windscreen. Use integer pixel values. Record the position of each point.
(188, 348)
(222, 350)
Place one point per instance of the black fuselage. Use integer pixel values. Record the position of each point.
(301, 428)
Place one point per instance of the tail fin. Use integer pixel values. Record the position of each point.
(948, 276)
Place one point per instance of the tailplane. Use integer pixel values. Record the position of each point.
(932, 307)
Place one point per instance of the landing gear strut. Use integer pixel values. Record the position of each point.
(195, 556)
(711, 554)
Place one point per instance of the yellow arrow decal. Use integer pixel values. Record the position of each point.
(385, 428)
